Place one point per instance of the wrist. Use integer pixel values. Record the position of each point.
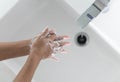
(26, 46)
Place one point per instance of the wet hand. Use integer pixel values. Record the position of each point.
(48, 43)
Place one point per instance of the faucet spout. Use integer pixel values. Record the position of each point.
(93, 11)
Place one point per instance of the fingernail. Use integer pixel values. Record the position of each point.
(45, 28)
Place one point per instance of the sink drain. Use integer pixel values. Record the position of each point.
(82, 39)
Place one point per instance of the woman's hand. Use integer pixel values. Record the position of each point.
(44, 45)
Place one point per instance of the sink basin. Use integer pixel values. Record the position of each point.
(6, 75)
(109, 23)
(80, 6)
(97, 61)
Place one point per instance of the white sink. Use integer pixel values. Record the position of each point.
(98, 61)
(6, 75)
(109, 23)
(80, 6)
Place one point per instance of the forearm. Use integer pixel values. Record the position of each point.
(27, 72)
(14, 49)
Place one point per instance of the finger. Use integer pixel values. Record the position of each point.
(62, 50)
(60, 44)
(52, 37)
(50, 43)
(54, 58)
(66, 37)
(52, 31)
(64, 44)
(45, 32)
(61, 38)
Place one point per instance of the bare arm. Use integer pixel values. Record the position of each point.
(41, 48)
(14, 49)
(26, 73)
(37, 52)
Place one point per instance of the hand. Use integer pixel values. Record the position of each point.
(43, 45)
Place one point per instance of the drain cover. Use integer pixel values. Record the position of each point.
(82, 39)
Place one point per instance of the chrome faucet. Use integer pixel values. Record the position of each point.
(93, 11)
